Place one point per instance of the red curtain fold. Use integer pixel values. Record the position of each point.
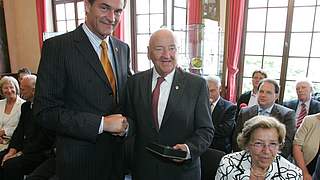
(234, 38)
(194, 12)
(41, 11)
(119, 31)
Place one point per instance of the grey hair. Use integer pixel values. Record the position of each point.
(214, 79)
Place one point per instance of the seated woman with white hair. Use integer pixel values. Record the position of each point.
(10, 107)
(260, 139)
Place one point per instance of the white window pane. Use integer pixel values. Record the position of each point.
(61, 26)
(71, 25)
(156, 21)
(278, 3)
(277, 19)
(143, 62)
(314, 72)
(274, 44)
(290, 91)
(258, 3)
(181, 41)
(315, 50)
(256, 19)
(272, 66)
(298, 68)
(304, 2)
(156, 6)
(81, 13)
(70, 11)
(180, 16)
(143, 23)
(246, 85)
(251, 63)
(60, 12)
(254, 43)
(180, 3)
(302, 19)
(142, 43)
(142, 7)
(300, 44)
(317, 20)
(80, 21)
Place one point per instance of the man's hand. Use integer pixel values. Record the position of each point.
(182, 147)
(12, 153)
(115, 124)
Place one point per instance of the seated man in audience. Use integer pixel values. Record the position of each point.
(29, 145)
(23, 72)
(249, 98)
(303, 105)
(268, 92)
(223, 116)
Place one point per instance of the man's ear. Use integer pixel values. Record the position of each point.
(87, 6)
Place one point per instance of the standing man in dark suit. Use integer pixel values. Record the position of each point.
(268, 92)
(223, 116)
(249, 98)
(170, 107)
(80, 80)
(30, 144)
(303, 105)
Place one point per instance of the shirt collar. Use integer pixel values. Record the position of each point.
(268, 110)
(94, 39)
(168, 78)
(307, 103)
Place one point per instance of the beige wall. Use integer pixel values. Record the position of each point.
(22, 33)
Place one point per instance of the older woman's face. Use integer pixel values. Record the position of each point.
(263, 147)
(9, 90)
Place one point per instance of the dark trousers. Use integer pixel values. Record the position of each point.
(316, 174)
(45, 171)
(15, 168)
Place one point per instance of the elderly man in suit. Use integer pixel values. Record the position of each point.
(303, 105)
(268, 92)
(223, 116)
(164, 109)
(30, 144)
(80, 81)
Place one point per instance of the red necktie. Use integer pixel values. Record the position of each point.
(107, 66)
(302, 114)
(155, 100)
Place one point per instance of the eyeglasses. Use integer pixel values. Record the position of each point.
(260, 145)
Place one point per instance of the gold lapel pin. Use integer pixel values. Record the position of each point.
(116, 49)
(177, 87)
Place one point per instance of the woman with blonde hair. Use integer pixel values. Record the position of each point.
(10, 107)
(261, 140)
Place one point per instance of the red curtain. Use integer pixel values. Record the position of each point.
(194, 12)
(234, 38)
(119, 31)
(41, 14)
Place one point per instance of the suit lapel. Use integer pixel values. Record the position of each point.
(218, 110)
(89, 54)
(176, 93)
(146, 91)
(115, 50)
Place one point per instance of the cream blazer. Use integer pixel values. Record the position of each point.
(307, 136)
(9, 125)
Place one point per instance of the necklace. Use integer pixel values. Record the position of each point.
(257, 175)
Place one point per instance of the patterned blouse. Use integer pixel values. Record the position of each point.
(236, 166)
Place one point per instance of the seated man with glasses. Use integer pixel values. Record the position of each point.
(261, 140)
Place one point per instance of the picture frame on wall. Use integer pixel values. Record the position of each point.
(211, 9)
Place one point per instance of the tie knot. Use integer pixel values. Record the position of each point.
(303, 105)
(160, 80)
(104, 45)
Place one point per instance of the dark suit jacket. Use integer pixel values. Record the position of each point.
(186, 120)
(28, 136)
(244, 98)
(313, 108)
(72, 95)
(283, 114)
(223, 118)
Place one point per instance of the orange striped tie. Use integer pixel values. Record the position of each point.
(107, 66)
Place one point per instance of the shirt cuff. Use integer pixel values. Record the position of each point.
(101, 126)
(188, 152)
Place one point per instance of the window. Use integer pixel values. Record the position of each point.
(68, 14)
(281, 37)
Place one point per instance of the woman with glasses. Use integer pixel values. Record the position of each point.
(261, 140)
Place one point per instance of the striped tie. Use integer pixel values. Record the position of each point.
(302, 114)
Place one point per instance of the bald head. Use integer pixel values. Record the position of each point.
(162, 51)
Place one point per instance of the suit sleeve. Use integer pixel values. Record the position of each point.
(237, 130)
(290, 123)
(204, 130)
(50, 101)
(226, 127)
